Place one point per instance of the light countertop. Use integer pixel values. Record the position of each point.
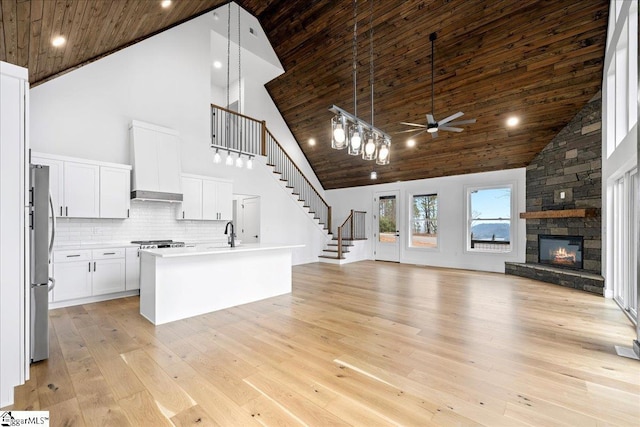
(88, 246)
(214, 250)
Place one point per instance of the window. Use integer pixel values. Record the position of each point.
(489, 219)
(424, 221)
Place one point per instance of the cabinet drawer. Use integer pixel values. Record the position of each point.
(108, 253)
(71, 255)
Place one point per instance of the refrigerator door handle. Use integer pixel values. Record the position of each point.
(53, 283)
(53, 228)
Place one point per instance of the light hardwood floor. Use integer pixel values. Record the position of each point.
(368, 343)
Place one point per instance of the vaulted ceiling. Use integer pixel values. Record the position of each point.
(539, 60)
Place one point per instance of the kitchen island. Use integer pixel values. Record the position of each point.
(176, 283)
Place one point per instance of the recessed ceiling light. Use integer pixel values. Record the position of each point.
(217, 64)
(58, 41)
(411, 143)
(165, 3)
(312, 141)
(374, 175)
(512, 121)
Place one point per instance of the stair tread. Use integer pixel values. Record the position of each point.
(330, 257)
(335, 244)
(335, 250)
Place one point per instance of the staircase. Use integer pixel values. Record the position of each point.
(236, 133)
(347, 238)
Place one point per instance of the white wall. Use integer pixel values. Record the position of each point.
(452, 218)
(165, 80)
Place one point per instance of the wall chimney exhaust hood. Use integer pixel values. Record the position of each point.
(155, 155)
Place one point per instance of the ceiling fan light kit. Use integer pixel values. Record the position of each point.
(349, 131)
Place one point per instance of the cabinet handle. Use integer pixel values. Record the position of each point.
(108, 253)
(182, 214)
(89, 266)
(73, 256)
(94, 266)
(60, 210)
(66, 210)
(127, 213)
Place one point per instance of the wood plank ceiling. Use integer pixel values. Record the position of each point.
(539, 60)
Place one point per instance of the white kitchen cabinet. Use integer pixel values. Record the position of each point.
(206, 198)
(132, 269)
(224, 200)
(191, 199)
(115, 189)
(72, 271)
(108, 276)
(86, 188)
(84, 273)
(81, 190)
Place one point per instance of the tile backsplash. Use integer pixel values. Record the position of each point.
(148, 221)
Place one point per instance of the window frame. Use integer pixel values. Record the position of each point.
(512, 219)
(409, 227)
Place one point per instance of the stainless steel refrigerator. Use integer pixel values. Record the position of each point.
(42, 236)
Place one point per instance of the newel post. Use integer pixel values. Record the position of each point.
(263, 147)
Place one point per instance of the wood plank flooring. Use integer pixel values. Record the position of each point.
(369, 343)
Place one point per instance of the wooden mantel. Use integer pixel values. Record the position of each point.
(561, 213)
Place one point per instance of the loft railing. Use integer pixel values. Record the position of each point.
(353, 228)
(236, 133)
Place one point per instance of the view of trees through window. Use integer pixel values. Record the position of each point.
(424, 221)
(490, 219)
(387, 219)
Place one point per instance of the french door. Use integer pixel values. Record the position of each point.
(625, 247)
(386, 226)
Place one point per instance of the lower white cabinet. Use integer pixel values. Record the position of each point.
(85, 273)
(73, 280)
(132, 258)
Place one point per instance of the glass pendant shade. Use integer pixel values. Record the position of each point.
(229, 161)
(355, 139)
(382, 155)
(338, 132)
(216, 157)
(250, 163)
(370, 145)
(239, 161)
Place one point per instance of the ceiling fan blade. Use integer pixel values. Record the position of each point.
(430, 119)
(410, 130)
(461, 122)
(419, 133)
(451, 117)
(450, 128)
(434, 135)
(412, 124)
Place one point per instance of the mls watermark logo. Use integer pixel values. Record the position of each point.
(24, 418)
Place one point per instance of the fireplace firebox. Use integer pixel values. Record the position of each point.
(560, 251)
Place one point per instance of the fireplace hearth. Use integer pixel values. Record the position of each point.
(560, 251)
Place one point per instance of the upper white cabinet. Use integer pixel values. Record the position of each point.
(192, 198)
(114, 192)
(206, 198)
(87, 189)
(81, 190)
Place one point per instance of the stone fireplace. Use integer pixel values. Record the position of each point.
(564, 191)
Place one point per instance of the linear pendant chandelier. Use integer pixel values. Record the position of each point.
(348, 130)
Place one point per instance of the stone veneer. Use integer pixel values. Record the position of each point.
(570, 163)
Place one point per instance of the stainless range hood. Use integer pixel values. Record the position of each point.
(155, 155)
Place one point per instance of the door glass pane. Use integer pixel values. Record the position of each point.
(387, 219)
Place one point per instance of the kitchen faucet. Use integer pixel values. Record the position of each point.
(232, 235)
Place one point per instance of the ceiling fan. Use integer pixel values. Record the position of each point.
(433, 126)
